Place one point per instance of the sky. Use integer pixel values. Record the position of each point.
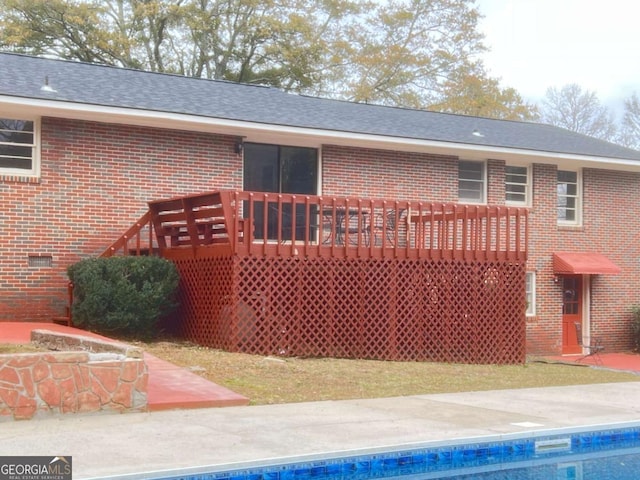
(537, 44)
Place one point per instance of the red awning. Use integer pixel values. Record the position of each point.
(576, 263)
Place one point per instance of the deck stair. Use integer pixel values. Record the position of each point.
(187, 221)
(137, 240)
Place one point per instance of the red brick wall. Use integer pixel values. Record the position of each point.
(393, 175)
(95, 181)
(611, 226)
(495, 182)
(544, 331)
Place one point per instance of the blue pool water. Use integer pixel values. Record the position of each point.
(576, 454)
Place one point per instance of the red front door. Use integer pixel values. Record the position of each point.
(571, 313)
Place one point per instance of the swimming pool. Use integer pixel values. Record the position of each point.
(604, 452)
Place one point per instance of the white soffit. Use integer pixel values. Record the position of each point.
(259, 132)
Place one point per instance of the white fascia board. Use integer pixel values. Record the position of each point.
(269, 133)
(512, 156)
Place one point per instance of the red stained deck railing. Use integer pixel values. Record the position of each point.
(288, 225)
(138, 240)
(269, 224)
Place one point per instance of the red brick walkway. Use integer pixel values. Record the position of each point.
(169, 387)
(628, 362)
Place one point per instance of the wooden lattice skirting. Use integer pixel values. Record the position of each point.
(407, 310)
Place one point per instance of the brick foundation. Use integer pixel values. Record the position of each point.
(88, 376)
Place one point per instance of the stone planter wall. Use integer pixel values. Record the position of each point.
(83, 375)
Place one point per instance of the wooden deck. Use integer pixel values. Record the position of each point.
(301, 275)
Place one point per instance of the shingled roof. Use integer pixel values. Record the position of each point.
(81, 83)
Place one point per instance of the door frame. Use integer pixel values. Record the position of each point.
(568, 333)
(586, 311)
(585, 315)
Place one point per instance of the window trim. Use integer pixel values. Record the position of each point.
(578, 197)
(527, 187)
(34, 171)
(531, 305)
(483, 182)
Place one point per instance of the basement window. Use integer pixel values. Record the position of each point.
(40, 261)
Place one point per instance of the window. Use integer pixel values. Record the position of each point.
(530, 289)
(274, 168)
(471, 182)
(17, 146)
(516, 185)
(568, 197)
(280, 169)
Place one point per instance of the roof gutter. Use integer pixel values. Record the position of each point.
(253, 131)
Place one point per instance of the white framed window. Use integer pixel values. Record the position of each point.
(18, 146)
(517, 185)
(530, 289)
(569, 201)
(472, 182)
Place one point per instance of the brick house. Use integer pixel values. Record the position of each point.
(83, 148)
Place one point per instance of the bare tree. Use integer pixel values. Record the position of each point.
(579, 111)
(629, 134)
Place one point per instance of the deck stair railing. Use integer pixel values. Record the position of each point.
(138, 240)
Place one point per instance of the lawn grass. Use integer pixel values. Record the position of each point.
(6, 348)
(270, 380)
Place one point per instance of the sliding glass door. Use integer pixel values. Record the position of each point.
(281, 169)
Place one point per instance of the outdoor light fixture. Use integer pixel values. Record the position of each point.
(556, 279)
(238, 148)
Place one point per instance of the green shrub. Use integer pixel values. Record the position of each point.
(127, 295)
(636, 327)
